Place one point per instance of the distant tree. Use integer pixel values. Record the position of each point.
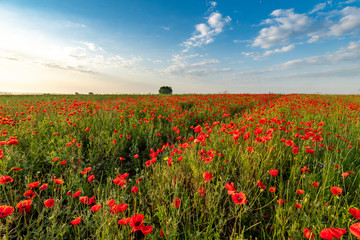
(76, 93)
(165, 90)
(91, 93)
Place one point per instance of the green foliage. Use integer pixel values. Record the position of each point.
(165, 90)
(120, 127)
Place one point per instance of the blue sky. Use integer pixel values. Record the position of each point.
(197, 46)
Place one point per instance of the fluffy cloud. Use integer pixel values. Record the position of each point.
(349, 22)
(286, 26)
(344, 55)
(206, 32)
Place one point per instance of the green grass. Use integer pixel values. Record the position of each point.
(213, 127)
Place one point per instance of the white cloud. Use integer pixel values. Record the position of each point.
(349, 22)
(350, 1)
(344, 55)
(192, 65)
(286, 25)
(279, 50)
(318, 7)
(206, 32)
(166, 28)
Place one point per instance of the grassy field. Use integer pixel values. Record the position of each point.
(180, 167)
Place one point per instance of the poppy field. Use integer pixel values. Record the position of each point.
(223, 166)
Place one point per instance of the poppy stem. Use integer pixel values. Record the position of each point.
(3, 188)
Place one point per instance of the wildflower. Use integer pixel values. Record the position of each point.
(355, 213)
(230, 187)
(298, 206)
(44, 186)
(76, 194)
(239, 198)
(58, 181)
(315, 184)
(330, 233)
(274, 172)
(201, 191)
(96, 207)
(76, 221)
(336, 190)
(272, 189)
(6, 211)
(124, 221)
(135, 189)
(33, 185)
(49, 203)
(260, 184)
(176, 202)
(281, 201)
(5, 179)
(308, 233)
(91, 178)
(300, 191)
(355, 230)
(24, 206)
(121, 207)
(207, 176)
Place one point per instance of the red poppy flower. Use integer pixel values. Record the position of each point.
(135, 189)
(124, 221)
(300, 191)
(230, 187)
(91, 178)
(84, 199)
(16, 169)
(96, 207)
(5, 179)
(24, 206)
(345, 174)
(201, 191)
(58, 181)
(6, 211)
(44, 186)
(336, 190)
(76, 194)
(146, 229)
(272, 189)
(111, 202)
(281, 201)
(274, 172)
(92, 200)
(136, 155)
(308, 233)
(161, 233)
(315, 184)
(33, 185)
(121, 207)
(311, 151)
(355, 213)
(239, 198)
(176, 202)
(49, 203)
(260, 184)
(298, 206)
(87, 129)
(136, 222)
(207, 176)
(305, 169)
(355, 230)
(30, 194)
(76, 221)
(330, 233)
